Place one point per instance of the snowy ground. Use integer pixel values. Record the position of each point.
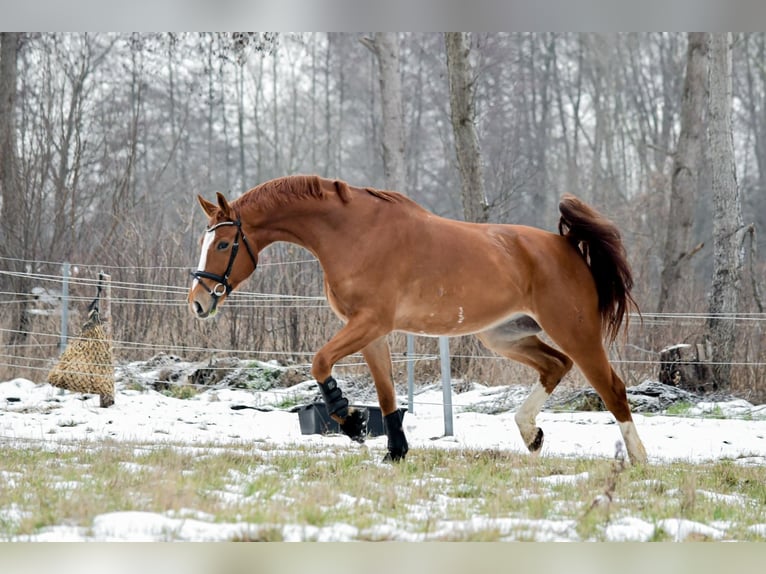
(39, 412)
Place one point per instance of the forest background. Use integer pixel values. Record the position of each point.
(107, 139)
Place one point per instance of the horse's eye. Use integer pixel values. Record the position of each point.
(222, 245)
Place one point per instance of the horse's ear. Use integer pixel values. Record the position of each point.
(228, 212)
(208, 207)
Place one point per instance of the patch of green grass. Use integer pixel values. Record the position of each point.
(68, 423)
(273, 487)
(659, 535)
(289, 402)
(715, 413)
(480, 535)
(134, 384)
(264, 486)
(680, 408)
(265, 534)
(259, 377)
(183, 392)
(683, 409)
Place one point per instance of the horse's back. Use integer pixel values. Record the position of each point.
(435, 275)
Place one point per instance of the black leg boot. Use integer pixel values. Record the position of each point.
(397, 442)
(353, 422)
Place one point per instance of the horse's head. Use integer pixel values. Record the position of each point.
(221, 266)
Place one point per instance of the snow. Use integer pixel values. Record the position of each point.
(628, 529)
(680, 529)
(57, 419)
(563, 478)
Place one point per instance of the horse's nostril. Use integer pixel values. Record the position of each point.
(198, 308)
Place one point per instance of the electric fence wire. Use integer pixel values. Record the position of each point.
(243, 299)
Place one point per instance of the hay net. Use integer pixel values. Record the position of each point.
(86, 365)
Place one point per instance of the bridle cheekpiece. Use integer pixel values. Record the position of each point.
(222, 286)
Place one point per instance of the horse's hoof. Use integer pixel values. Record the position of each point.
(396, 454)
(397, 442)
(355, 425)
(392, 457)
(535, 446)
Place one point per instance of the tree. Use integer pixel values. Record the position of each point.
(462, 92)
(12, 244)
(728, 229)
(686, 166)
(385, 46)
(542, 127)
(9, 49)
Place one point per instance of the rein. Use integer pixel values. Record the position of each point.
(222, 286)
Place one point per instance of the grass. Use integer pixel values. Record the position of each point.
(684, 408)
(681, 408)
(181, 391)
(290, 401)
(435, 494)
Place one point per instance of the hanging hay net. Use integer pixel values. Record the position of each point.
(86, 366)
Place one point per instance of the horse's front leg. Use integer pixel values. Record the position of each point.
(378, 357)
(359, 332)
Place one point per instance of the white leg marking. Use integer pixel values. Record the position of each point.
(525, 416)
(206, 243)
(633, 444)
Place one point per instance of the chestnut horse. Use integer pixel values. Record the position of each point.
(390, 265)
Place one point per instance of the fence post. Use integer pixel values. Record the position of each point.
(64, 306)
(106, 304)
(446, 384)
(105, 314)
(411, 374)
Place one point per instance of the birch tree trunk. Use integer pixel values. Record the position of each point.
(385, 46)
(686, 165)
(728, 254)
(462, 92)
(241, 127)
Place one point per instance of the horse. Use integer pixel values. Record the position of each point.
(391, 265)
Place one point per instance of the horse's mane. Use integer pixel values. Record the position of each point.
(286, 190)
(283, 191)
(390, 196)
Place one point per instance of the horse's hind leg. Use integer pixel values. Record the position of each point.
(610, 387)
(378, 357)
(581, 340)
(513, 340)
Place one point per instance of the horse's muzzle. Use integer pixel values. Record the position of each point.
(198, 310)
(203, 305)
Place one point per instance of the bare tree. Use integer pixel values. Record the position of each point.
(385, 46)
(728, 228)
(111, 154)
(542, 128)
(9, 48)
(12, 244)
(568, 83)
(462, 92)
(686, 165)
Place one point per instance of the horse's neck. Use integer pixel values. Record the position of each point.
(308, 224)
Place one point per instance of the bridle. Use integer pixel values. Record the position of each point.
(222, 286)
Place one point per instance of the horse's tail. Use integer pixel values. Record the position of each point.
(599, 241)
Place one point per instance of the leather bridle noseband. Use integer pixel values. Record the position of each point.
(222, 286)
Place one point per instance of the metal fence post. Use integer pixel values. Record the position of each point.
(106, 303)
(411, 374)
(105, 281)
(446, 384)
(64, 306)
